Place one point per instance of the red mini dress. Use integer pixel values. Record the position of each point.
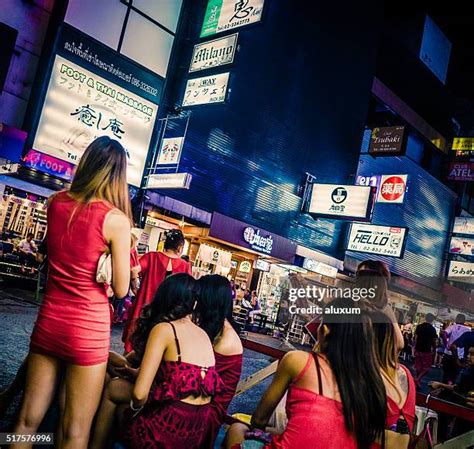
(73, 322)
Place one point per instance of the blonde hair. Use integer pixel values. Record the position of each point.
(102, 174)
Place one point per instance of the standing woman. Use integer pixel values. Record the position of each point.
(155, 266)
(72, 333)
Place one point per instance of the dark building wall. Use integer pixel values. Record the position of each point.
(300, 87)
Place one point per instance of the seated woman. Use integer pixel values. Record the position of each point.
(335, 398)
(399, 383)
(214, 315)
(170, 400)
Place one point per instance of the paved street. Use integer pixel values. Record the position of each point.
(17, 314)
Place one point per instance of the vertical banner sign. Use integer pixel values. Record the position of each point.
(392, 189)
(170, 151)
(206, 90)
(224, 15)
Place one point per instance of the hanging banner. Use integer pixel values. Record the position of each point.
(462, 245)
(341, 201)
(80, 106)
(170, 151)
(374, 239)
(214, 53)
(464, 225)
(206, 90)
(463, 144)
(387, 141)
(223, 15)
(392, 189)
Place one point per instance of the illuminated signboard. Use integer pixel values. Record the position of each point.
(392, 189)
(170, 151)
(80, 106)
(206, 90)
(464, 225)
(214, 53)
(169, 181)
(320, 268)
(462, 245)
(262, 265)
(461, 271)
(341, 201)
(374, 239)
(224, 15)
(387, 140)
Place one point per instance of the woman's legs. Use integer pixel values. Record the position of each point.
(41, 382)
(83, 385)
(117, 392)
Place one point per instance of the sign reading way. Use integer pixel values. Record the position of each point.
(341, 201)
(205, 90)
(374, 239)
(214, 53)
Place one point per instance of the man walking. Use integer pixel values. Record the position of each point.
(451, 358)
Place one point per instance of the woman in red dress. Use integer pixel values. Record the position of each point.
(71, 336)
(214, 315)
(154, 267)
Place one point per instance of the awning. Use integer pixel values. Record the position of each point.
(20, 184)
(319, 256)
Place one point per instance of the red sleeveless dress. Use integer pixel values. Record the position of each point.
(229, 368)
(73, 322)
(153, 267)
(166, 422)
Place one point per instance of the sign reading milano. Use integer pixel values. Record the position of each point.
(387, 141)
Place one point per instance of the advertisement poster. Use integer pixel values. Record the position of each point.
(462, 245)
(214, 53)
(224, 15)
(392, 189)
(461, 271)
(387, 140)
(338, 201)
(464, 225)
(80, 106)
(170, 151)
(205, 90)
(374, 239)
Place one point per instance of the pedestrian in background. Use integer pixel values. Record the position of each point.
(451, 359)
(71, 337)
(425, 344)
(155, 266)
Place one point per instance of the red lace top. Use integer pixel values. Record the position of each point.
(177, 380)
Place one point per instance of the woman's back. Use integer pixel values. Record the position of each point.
(314, 410)
(75, 242)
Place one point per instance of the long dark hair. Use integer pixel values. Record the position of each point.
(173, 300)
(348, 343)
(214, 304)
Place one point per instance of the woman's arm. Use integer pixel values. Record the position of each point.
(289, 367)
(117, 233)
(160, 337)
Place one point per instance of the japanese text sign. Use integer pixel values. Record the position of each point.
(80, 106)
(392, 189)
(205, 90)
(224, 15)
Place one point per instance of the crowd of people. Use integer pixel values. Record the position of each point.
(182, 358)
